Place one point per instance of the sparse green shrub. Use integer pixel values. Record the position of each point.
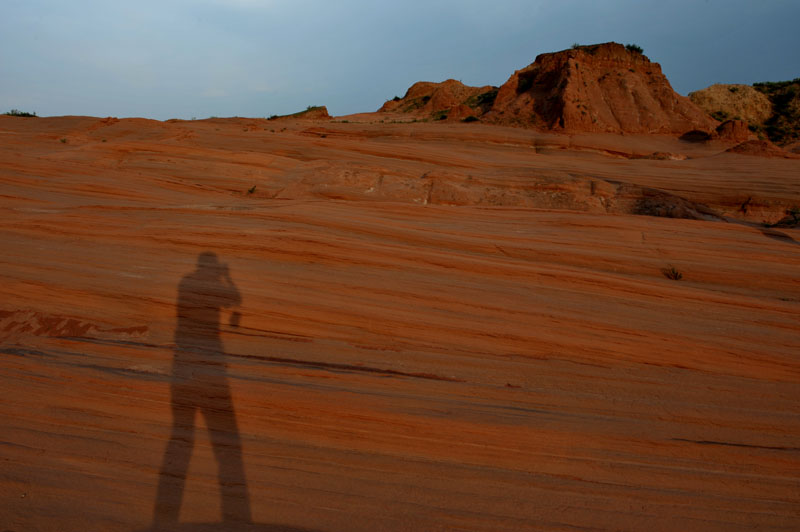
(396, 99)
(756, 128)
(488, 97)
(720, 115)
(575, 45)
(733, 90)
(672, 273)
(63, 141)
(439, 115)
(251, 189)
(483, 100)
(770, 86)
(471, 118)
(415, 103)
(17, 112)
(783, 126)
(634, 48)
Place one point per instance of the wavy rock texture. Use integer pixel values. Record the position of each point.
(441, 327)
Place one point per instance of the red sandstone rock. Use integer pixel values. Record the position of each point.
(598, 88)
(603, 88)
(735, 130)
(438, 100)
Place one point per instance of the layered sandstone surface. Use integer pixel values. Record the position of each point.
(441, 327)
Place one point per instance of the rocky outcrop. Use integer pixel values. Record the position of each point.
(448, 100)
(314, 112)
(735, 130)
(599, 88)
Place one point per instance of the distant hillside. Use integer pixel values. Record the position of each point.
(312, 112)
(772, 109)
(605, 88)
(733, 102)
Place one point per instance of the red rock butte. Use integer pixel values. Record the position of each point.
(598, 88)
(349, 324)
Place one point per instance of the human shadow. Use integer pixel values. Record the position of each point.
(226, 527)
(199, 385)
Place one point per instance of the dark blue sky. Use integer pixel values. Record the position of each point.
(197, 58)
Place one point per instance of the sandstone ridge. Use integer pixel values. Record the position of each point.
(604, 88)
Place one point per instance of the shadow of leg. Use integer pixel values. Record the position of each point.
(226, 442)
(172, 477)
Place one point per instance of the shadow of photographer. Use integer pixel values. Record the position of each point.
(199, 386)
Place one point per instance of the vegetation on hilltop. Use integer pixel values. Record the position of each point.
(783, 126)
(17, 112)
(482, 101)
(634, 48)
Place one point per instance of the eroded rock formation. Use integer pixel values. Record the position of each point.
(599, 88)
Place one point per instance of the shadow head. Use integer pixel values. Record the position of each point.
(209, 265)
